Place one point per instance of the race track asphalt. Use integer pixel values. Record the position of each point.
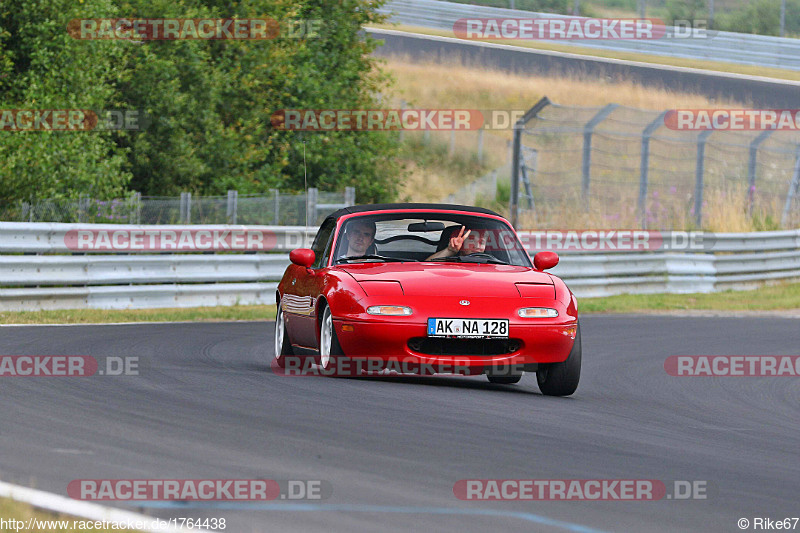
(206, 405)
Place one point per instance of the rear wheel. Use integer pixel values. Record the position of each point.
(561, 379)
(330, 352)
(282, 345)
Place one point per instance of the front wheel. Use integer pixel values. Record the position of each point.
(330, 352)
(561, 379)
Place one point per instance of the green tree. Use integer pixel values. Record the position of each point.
(42, 67)
(209, 102)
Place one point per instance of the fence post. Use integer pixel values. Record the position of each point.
(699, 170)
(186, 208)
(452, 142)
(793, 186)
(276, 209)
(751, 167)
(233, 206)
(515, 163)
(83, 202)
(645, 164)
(588, 129)
(137, 207)
(480, 146)
(349, 196)
(402, 109)
(311, 206)
(519, 127)
(526, 182)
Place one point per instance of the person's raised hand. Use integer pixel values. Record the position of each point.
(457, 241)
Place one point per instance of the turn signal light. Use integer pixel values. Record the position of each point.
(393, 310)
(537, 312)
(570, 331)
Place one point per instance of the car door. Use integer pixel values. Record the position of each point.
(306, 288)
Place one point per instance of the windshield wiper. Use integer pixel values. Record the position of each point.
(477, 258)
(370, 256)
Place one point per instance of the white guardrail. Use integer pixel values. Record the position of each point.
(742, 48)
(38, 270)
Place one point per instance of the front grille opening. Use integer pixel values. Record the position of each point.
(445, 346)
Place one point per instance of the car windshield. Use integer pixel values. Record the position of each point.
(438, 237)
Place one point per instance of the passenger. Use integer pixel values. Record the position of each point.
(462, 244)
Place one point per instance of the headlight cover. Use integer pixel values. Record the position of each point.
(537, 312)
(390, 310)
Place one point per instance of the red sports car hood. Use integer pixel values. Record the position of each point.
(449, 279)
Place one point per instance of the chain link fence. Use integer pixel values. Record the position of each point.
(275, 208)
(622, 167)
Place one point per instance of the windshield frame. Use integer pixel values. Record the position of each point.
(420, 214)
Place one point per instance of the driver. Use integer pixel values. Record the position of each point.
(463, 244)
(360, 236)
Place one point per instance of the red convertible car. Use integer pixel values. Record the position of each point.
(427, 288)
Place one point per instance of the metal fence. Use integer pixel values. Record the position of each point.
(746, 49)
(275, 208)
(51, 278)
(617, 166)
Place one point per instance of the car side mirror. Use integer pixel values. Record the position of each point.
(303, 257)
(545, 260)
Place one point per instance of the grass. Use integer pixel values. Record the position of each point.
(779, 297)
(429, 84)
(102, 316)
(718, 66)
(433, 171)
(10, 509)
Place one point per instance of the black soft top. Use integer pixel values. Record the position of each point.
(411, 206)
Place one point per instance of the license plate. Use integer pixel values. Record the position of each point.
(478, 328)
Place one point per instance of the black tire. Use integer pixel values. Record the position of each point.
(561, 379)
(504, 380)
(332, 361)
(282, 346)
